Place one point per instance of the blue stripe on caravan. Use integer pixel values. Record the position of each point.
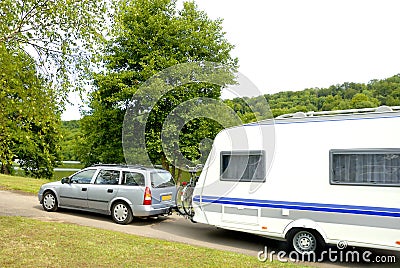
(348, 209)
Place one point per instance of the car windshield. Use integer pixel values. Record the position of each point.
(161, 179)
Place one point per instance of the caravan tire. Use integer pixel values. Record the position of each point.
(306, 241)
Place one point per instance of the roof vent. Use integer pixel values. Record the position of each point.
(299, 115)
(383, 109)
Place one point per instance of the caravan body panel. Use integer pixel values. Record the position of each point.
(309, 179)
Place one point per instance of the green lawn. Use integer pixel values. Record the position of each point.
(24, 184)
(31, 243)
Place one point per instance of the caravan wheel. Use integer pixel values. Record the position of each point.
(305, 241)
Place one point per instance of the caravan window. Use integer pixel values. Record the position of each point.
(244, 166)
(365, 167)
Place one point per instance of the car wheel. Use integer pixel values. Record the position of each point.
(50, 202)
(306, 241)
(121, 213)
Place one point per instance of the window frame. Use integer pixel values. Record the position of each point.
(123, 178)
(368, 151)
(260, 153)
(78, 181)
(156, 173)
(107, 170)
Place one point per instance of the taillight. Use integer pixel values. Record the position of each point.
(147, 196)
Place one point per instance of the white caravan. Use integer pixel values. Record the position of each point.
(309, 178)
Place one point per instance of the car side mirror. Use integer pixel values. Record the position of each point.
(64, 180)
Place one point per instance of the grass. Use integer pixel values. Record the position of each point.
(31, 243)
(24, 184)
(58, 175)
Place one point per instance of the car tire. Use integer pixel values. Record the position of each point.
(121, 213)
(50, 203)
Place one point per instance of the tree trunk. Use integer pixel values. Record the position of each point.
(164, 162)
(173, 170)
(179, 175)
(5, 169)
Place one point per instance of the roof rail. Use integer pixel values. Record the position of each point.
(137, 166)
(119, 165)
(380, 109)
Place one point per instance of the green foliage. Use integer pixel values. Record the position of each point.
(337, 97)
(101, 139)
(71, 133)
(44, 47)
(148, 37)
(29, 117)
(61, 35)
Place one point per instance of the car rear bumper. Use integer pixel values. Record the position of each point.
(146, 211)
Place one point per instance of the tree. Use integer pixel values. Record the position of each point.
(148, 37)
(361, 100)
(336, 97)
(29, 116)
(46, 48)
(61, 35)
(71, 134)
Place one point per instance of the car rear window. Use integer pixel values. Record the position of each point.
(161, 180)
(132, 178)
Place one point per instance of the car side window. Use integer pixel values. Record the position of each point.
(83, 177)
(133, 178)
(107, 177)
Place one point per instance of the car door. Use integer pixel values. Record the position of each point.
(104, 189)
(74, 193)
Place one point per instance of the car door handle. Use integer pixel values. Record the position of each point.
(110, 190)
(84, 189)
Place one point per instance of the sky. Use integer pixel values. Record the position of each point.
(296, 44)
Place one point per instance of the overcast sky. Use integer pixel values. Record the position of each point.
(296, 44)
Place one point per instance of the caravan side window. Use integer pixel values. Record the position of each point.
(365, 167)
(244, 166)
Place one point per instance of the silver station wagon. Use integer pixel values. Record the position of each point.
(121, 191)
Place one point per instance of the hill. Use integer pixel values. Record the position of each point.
(336, 97)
